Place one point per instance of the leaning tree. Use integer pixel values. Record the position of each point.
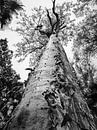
(52, 98)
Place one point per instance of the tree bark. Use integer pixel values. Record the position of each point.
(52, 99)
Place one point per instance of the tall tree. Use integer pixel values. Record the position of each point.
(7, 8)
(52, 99)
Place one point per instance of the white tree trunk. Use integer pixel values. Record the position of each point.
(43, 111)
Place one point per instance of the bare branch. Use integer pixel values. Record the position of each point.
(56, 24)
(35, 48)
(48, 15)
(56, 14)
(63, 27)
(62, 24)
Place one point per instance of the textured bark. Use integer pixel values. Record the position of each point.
(52, 99)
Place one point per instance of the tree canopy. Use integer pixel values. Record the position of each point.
(37, 28)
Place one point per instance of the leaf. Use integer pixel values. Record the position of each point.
(66, 119)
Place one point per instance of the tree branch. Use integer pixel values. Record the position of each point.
(48, 15)
(56, 24)
(35, 48)
(53, 9)
(63, 27)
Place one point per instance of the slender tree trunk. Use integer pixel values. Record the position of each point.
(52, 99)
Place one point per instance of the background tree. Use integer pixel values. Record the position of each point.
(10, 87)
(86, 42)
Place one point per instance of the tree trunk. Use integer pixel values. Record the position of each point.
(52, 99)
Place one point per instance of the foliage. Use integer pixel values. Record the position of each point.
(10, 87)
(7, 74)
(85, 47)
(85, 41)
(86, 34)
(7, 8)
(93, 1)
(36, 28)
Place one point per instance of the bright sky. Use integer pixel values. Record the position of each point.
(13, 37)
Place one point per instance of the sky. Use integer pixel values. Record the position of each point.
(14, 37)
